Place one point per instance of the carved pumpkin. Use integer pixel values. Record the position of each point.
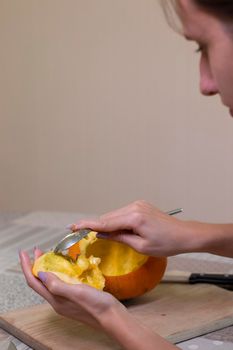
(105, 265)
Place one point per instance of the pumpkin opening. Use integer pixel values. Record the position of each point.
(105, 264)
(115, 258)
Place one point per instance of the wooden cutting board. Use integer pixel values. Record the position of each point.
(176, 311)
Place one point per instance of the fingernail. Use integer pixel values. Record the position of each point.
(42, 276)
(71, 227)
(20, 251)
(102, 235)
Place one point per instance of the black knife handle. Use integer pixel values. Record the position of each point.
(212, 278)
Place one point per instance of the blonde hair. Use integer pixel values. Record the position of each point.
(170, 10)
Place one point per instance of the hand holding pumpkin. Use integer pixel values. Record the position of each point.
(106, 265)
(118, 270)
(91, 306)
(95, 308)
(80, 302)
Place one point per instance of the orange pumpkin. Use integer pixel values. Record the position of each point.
(126, 273)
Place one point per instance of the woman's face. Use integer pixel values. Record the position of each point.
(215, 42)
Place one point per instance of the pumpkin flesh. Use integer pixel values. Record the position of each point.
(105, 265)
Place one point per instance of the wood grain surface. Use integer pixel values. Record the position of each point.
(177, 312)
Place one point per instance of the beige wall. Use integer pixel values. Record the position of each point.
(99, 106)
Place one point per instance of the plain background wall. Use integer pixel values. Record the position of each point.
(99, 106)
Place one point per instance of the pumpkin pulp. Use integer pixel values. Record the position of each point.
(105, 264)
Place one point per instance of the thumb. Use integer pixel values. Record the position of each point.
(54, 284)
(77, 293)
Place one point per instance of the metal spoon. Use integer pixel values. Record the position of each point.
(71, 238)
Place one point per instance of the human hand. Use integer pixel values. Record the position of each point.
(143, 227)
(79, 302)
(97, 309)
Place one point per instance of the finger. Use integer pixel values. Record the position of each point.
(118, 212)
(37, 253)
(139, 206)
(59, 288)
(25, 262)
(95, 223)
(32, 281)
(111, 224)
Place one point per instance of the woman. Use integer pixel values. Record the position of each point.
(145, 228)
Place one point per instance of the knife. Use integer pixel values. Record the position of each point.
(220, 279)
